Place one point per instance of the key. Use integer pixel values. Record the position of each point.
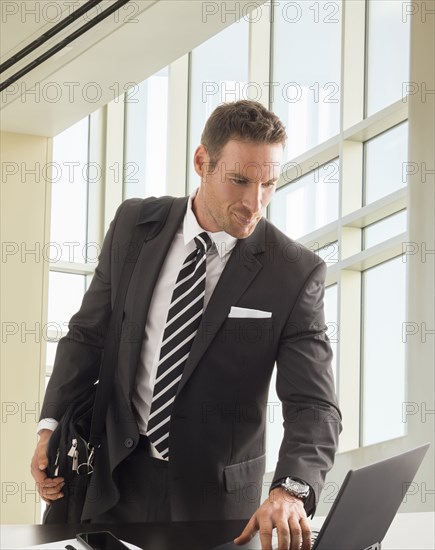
(75, 461)
(73, 448)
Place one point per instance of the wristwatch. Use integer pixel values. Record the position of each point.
(296, 488)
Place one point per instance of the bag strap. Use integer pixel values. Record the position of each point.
(113, 336)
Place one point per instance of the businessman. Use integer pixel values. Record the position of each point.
(218, 297)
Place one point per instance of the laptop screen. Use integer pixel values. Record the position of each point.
(367, 502)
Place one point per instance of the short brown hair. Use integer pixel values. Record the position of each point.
(244, 120)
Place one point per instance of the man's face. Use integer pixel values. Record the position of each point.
(234, 195)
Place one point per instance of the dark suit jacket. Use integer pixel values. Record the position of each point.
(217, 435)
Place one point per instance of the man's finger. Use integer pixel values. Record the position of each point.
(50, 498)
(38, 475)
(306, 534)
(248, 532)
(283, 534)
(41, 453)
(295, 532)
(266, 528)
(52, 492)
(50, 483)
(41, 448)
(42, 464)
(48, 488)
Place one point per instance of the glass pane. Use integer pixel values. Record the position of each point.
(274, 427)
(331, 318)
(385, 156)
(89, 280)
(382, 230)
(69, 196)
(306, 71)
(51, 354)
(384, 292)
(308, 203)
(146, 137)
(387, 53)
(64, 299)
(219, 73)
(329, 253)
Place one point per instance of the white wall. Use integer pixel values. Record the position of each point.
(25, 216)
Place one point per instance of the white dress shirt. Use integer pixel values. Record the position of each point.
(182, 245)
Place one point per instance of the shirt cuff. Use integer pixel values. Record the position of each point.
(47, 424)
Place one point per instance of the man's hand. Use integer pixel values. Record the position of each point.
(287, 514)
(48, 488)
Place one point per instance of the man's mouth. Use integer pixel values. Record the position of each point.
(244, 220)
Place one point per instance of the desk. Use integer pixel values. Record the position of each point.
(414, 531)
(201, 535)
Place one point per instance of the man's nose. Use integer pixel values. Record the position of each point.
(252, 199)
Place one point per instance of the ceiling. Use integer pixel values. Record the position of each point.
(133, 43)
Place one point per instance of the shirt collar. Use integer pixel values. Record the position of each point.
(191, 228)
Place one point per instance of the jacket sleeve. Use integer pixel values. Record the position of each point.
(79, 352)
(305, 386)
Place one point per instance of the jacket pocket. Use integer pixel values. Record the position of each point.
(237, 476)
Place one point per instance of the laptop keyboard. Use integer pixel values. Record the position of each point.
(314, 535)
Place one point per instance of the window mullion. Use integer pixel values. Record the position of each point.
(259, 56)
(114, 159)
(97, 126)
(349, 321)
(178, 103)
(352, 67)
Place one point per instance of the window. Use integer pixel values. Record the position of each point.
(69, 197)
(329, 253)
(344, 194)
(51, 353)
(66, 293)
(69, 248)
(219, 73)
(383, 363)
(387, 53)
(308, 203)
(146, 113)
(384, 229)
(306, 71)
(385, 157)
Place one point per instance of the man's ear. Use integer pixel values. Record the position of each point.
(201, 160)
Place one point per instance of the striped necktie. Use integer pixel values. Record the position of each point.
(184, 317)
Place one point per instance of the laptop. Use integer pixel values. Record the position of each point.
(364, 508)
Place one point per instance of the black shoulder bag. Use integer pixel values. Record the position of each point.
(72, 446)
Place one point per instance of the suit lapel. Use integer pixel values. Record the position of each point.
(241, 269)
(144, 278)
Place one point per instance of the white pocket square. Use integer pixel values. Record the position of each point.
(245, 312)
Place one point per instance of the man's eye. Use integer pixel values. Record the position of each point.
(237, 181)
(269, 184)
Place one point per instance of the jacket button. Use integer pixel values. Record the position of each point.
(128, 442)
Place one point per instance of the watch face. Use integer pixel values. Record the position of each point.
(295, 486)
(299, 489)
